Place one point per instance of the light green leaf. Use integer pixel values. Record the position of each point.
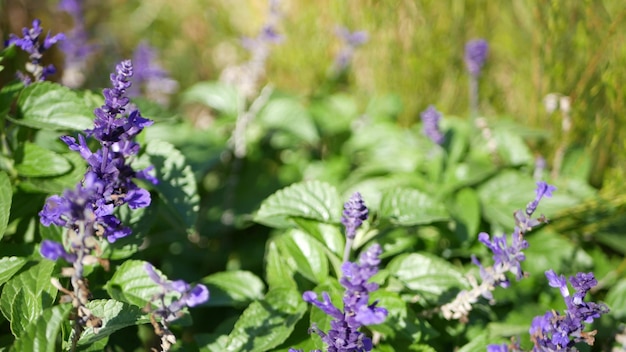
(616, 300)
(115, 316)
(310, 199)
(277, 272)
(408, 207)
(48, 105)
(427, 274)
(215, 95)
(465, 210)
(42, 333)
(305, 254)
(264, 324)
(37, 161)
(131, 284)
(233, 288)
(9, 266)
(27, 294)
(177, 184)
(289, 115)
(56, 185)
(502, 195)
(6, 195)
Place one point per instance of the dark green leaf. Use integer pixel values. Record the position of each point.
(48, 105)
(131, 284)
(6, 194)
(37, 161)
(42, 333)
(233, 288)
(408, 207)
(115, 316)
(310, 199)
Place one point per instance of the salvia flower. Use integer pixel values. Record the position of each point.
(30, 43)
(150, 77)
(507, 258)
(430, 125)
(354, 213)
(561, 331)
(87, 212)
(475, 56)
(76, 46)
(350, 42)
(344, 335)
(181, 294)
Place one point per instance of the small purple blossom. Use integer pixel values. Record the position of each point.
(350, 41)
(475, 55)
(343, 335)
(54, 250)
(30, 44)
(149, 76)
(560, 331)
(188, 296)
(354, 213)
(430, 122)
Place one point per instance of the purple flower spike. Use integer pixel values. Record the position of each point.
(351, 41)
(354, 213)
(430, 120)
(150, 77)
(31, 45)
(75, 46)
(475, 55)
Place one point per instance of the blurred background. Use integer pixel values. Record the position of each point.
(415, 51)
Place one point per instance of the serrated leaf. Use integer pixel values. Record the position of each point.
(216, 95)
(289, 115)
(9, 266)
(426, 274)
(48, 105)
(264, 324)
(233, 288)
(26, 295)
(310, 199)
(305, 254)
(37, 161)
(409, 207)
(131, 284)
(42, 333)
(115, 316)
(6, 195)
(277, 272)
(177, 184)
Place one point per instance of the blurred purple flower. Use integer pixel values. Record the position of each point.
(53, 250)
(350, 41)
(75, 46)
(475, 56)
(31, 45)
(430, 125)
(555, 331)
(343, 335)
(150, 77)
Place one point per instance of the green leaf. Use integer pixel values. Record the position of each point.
(26, 295)
(289, 115)
(6, 195)
(310, 199)
(56, 185)
(131, 284)
(9, 266)
(277, 272)
(427, 274)
(264, 324)
(465, 210)
(408, 207)
(502, 195)
(42, 333)
(36, 161)
(233, 288)
(335, 113)
(616, 300)
(48, 105)
(115, 316)
(177, 184)
(305, 254)
(216, 95)
(7, 94)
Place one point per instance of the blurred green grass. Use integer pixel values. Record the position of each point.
(574, 48)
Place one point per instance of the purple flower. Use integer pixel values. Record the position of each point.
(150, 76)
(475, 55)
(350, 41)
(30, 44)
(560, 331)
(75, 46)
(354, 213)
(53, 250)
(187, 296)
(430, 120)
(343, 335)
